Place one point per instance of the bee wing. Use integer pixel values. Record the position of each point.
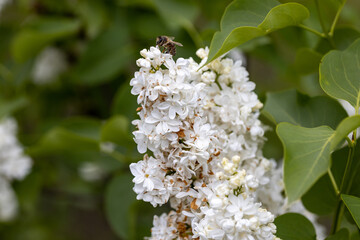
(171, 38)
(177, 43)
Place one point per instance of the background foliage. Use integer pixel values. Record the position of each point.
(71, 120)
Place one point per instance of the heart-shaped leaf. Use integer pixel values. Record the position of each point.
(307, 153)
(294, 226)
(353, 204)
(299, 109)
(244, 20)
(339, 74)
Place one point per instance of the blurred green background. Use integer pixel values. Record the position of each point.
(65, 68)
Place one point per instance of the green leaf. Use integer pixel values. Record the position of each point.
(28, 191)
(328, 10)
(355, 235)
(39, 33)
(321, 198)
(72, 135)
(136, 3)
(124, 102)
(307, 153)
(339, 74)
(294, 226)
(244, 20)
(307, 61)
(181, 12)
(7, 107)
(119, 199)
(116, 130)
(148, 26)
(353, 204)
(349, 223)
(93, 13)
(299, 109)
(60, 139)
(83, 126)
(104, 57)
(272, 147)
(342, 234)
(284, 15)
(343, 37)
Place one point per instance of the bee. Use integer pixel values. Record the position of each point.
(168, 44)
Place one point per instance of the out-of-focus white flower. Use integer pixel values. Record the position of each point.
(49, 64)
(237, 55)
(107, 147)
(3, 4)
(8, 201)
(14, 164)
(90, 171)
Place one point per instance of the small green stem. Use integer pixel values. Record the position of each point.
(326, 33)
(217, 82)
(312, 30)
(350, 143)
(338, 216)
(347, 167)
(353, 144)
(356, 113)
(344, 184)
(336, 188)
(320, 18)
(352, 177)
(332, 28)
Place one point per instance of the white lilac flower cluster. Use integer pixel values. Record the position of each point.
(199, 127)
(14, 165)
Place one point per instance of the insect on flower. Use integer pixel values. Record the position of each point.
(168, 44)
